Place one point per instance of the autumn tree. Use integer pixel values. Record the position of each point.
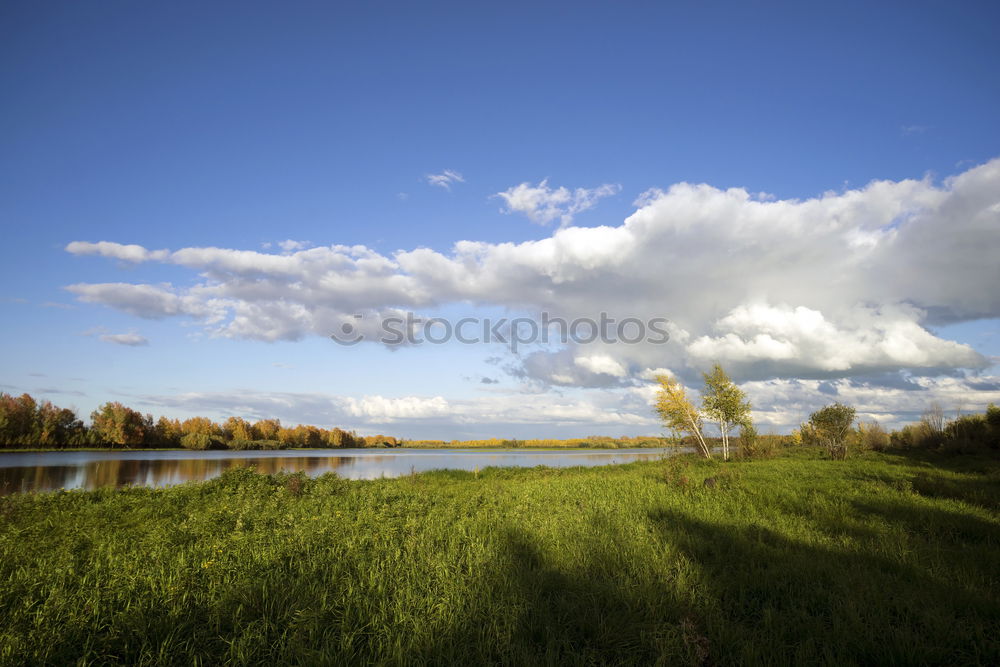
(199, 426)
(117, 424)
(198, 441)
(18, 419)
(380, 441)
(831, 426)
(308, 436)
(267, 429)
(58, 427)
(336, 437)
(237, 428)
(168, 432)
(678, 413)
(724, 403)
(287, 437)
(871, 435)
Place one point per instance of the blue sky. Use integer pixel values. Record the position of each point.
(236, 125)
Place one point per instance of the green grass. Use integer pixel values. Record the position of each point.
(887, 558)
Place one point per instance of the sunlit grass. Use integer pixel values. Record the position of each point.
(881, 559)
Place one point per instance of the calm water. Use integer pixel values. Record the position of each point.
(48, 471)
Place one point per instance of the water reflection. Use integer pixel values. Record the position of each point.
(48, 471)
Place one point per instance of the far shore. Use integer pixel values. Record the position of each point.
(43, 450)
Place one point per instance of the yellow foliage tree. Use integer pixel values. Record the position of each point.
(678, 413)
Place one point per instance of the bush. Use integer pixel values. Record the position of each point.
(197, 441)
(752, 445)
(871, 435)
(993, 416)
(269, 444)
(242, 444)
(832, 425)
(968, 433)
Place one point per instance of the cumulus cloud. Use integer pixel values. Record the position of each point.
(868, 339)
(601, 364)
(544, 205)
(445, 179)
(832, 287)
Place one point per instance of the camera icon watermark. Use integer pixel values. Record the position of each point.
(515, 332)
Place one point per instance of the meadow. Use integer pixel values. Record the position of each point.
(884, 558)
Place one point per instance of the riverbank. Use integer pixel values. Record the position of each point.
(493, 443)
(69, 470)
(883, 558)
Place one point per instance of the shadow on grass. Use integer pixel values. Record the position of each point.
(985, 462)
(756, 597)
(596, 611)
(974, 479)
(768, 598)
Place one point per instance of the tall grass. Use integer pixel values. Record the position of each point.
(882, 559)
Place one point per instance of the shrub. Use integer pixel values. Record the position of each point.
(269, 444)
(196, 441)
(993, 415)
(871, 435)
(296, 483)
(242, 444)
(968, 433)
(753, 445)
(832, 425)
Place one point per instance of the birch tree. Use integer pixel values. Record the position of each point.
(678, 413)
(724, 403)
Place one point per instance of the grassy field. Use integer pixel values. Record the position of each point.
(886, 558)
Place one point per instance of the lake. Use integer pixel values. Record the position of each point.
(49, 471)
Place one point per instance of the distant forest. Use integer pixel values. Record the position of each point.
(26, 422)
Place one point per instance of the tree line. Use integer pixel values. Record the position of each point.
(26, 422)
(833, 427)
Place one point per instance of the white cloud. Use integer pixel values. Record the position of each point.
(543, 205)
(129, 339)
(445, 179)
(413, 416)
(868, 340)
(601, 364)
(127, 253)
(290, 246)
(383, 410)
(151, 301)
(842, 284)
(784, 403)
